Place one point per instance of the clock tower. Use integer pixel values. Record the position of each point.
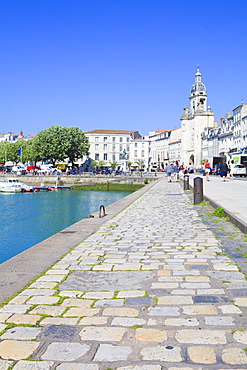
(193, 122)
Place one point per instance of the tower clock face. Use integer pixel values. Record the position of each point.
(201, 87)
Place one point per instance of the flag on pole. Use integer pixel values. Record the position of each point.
(20, 151)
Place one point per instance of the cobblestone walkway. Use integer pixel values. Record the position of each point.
(151, 290)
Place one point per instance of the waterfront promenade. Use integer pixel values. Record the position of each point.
(150, 289)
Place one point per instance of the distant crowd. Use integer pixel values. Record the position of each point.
(174, 171)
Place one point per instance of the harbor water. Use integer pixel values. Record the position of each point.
(29, 218)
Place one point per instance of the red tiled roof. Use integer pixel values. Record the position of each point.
(26, 137)
(175, 142)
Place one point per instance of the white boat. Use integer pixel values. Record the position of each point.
(13, 185)
(10, 187)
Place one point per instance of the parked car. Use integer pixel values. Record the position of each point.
(32, 168)
(62, 166)
(48, 168)
(240, 170)
(19, 170)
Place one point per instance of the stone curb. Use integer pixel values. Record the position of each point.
(234, 219)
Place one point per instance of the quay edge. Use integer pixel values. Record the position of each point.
(20, 270)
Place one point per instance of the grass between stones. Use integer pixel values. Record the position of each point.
(204, 203)
(219, 212)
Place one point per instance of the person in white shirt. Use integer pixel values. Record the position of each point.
(232, 167)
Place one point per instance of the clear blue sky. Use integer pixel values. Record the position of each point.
(117, 64)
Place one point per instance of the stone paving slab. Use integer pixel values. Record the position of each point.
(150, 290)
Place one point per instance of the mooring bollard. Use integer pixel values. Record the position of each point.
(101, 210)
(198, 190)
(186, 182)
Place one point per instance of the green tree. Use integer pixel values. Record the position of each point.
(28, 153)
(129, 164)
(13, 153)
(141, 164)
(22, 145)
(98, 164)
(4, 149)
(95, 163)
(77, 144)
(8, 152)
(101, 164)
(59, 143)
(113, 165)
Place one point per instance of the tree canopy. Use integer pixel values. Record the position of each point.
(55, 144)
(140, 163)
(9, 151)
(98, 163)
(113, 165)
(59, 143)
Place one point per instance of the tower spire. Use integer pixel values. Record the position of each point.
(198, 94)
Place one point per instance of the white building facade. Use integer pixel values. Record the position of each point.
(159, 148)
(227, 140)
(140, 152)
(111, 145)
(12, 138)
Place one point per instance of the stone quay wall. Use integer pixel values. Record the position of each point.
(81, 179)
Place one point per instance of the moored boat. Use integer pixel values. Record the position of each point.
(9, 187)
(13, 185)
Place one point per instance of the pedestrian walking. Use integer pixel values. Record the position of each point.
(207, 169)
(232, 169)
(223, 170)
(175, 172)
(169, 170)
(190, 168)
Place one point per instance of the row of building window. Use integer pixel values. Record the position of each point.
(105, 138)
(114, 140)
(114, 156)
(105, 147)
(106, 157)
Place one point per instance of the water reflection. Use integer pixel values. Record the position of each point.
(27, 219)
